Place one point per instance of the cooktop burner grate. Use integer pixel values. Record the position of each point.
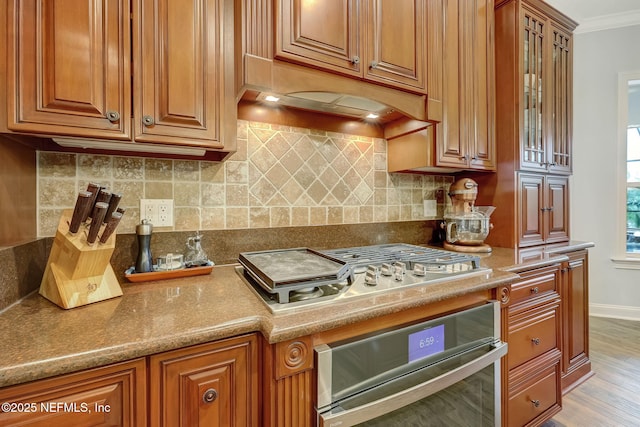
(372, 255)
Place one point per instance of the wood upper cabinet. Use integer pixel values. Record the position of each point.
(207, 385)
(183, 72)
(543, 214)
(114, 395)
(534, 89)
(465, 138)
(380, 41)
(70, 70)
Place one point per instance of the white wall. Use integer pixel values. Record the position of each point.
(598, 58)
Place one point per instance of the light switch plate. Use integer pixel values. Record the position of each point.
(159, 212)
(430, 208)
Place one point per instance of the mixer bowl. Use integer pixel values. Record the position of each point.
(467, 229)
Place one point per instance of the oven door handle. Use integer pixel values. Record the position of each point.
(406, 397)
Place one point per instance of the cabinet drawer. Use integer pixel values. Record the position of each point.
(539, 396)
(532, 334)
(109, 396)
(535, 283)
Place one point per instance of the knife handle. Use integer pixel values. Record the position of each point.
(97, 216)
(82, 203)
(104, 196)
(111, 226)
(94, 189)
(113, 204)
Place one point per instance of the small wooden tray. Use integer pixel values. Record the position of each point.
(168, 274)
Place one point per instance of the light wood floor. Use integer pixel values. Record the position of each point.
(611, 398)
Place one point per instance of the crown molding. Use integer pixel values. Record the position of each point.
(608, 22)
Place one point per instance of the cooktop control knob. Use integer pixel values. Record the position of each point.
(399, 268)
(371, 275)
(387, 269)
(419, 270)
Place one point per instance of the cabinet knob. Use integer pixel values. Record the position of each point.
(210, 395)
(535, 341)
(535, 290)
(355, 60)
(535, 402)
(113, 116)
(374, 64)
(148, 121)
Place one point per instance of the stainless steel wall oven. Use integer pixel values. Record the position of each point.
(441, 372)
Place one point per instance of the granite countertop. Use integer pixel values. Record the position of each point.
(42, 340)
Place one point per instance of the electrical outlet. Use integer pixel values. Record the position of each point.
(159, 212)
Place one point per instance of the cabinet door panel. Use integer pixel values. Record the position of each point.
(478, 99)
(179, 76)
(561, 96)
(534, 85)
(69, 62)
(530, 217)
(324, 34)
(208, 385)
(557, 207)
(395, 43)
(109, 396)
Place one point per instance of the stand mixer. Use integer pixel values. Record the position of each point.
(466, 225)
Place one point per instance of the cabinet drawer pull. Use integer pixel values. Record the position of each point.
(535, 402)
(535, 290)
(374, 64)
(210, 395)
(535, 341)
(113, 116)
(355, 60)
(148, 121)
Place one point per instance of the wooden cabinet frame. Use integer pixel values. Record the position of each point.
(543, 212)
(110, 395)
(576, 366)
(129, 71)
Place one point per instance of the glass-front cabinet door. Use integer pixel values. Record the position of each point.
(546, 95)
(533, 145)
(561, 96)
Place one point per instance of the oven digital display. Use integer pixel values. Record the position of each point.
(426, 343)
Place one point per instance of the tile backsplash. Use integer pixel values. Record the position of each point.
(280, 176)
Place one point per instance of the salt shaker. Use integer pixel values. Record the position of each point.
(144, 262)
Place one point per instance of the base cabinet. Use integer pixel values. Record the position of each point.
(576, 366)
(207, 385)
(110, 396)
(532, 326)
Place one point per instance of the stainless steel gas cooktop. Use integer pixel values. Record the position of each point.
(301, 277)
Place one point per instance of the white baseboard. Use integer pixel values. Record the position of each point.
(614, 311)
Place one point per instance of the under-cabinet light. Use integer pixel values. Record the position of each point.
(271, 98)
(99, 144)
(372, 116)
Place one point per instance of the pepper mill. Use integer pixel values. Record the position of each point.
(144, 263)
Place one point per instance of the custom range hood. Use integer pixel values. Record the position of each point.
(309, 89)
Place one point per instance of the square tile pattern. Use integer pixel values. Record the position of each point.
(279, 177)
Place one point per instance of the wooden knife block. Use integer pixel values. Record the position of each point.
(77, 273)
